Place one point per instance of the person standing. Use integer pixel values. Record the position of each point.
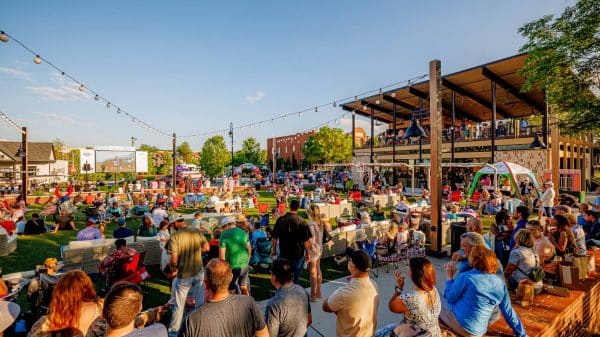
(234, 247)
(288, 311)
(356, 303)
(224, 314)
(186, 247)
(316, 249)
(293, 235)
(548, 198)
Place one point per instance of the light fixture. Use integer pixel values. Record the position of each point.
(365, 107)
(285, 117)
(96, 97)
(108, 105)
(377, 102)
(393, 94)
(300, 114)
(316, 109)
(37, 59)
(20, 152)
(118, 110)
(82, 88)
(334, 104)
(3, 37)
(414, 131)
(537, 143)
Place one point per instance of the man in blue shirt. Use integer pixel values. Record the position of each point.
(122, 231)
(522, 213)
(90, 232)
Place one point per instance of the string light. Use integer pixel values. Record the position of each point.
(4, 37)
(10, 122)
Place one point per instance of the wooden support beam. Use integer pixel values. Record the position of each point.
(459, 90)
(400, 103)
(508, 87)
(386, 117)
(435, 118)
(445, 106)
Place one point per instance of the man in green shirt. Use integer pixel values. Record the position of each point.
(234, 247)
(186, 247)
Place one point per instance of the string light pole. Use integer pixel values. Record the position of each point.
(231, 136)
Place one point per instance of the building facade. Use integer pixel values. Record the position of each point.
(288, 148)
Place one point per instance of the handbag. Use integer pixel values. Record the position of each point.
(537, 273)
(581, 262)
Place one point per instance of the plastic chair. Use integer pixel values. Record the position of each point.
(134, 270)
(281, 209)
(263, 208)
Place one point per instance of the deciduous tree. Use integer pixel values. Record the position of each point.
(214, 156)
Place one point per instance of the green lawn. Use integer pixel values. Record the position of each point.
(34, 249)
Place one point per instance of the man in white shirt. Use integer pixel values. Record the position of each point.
(356, 303)
(214, 199)
(159, 214)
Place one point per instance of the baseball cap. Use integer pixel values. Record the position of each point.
(9, 312)
(227, 220)
(121, 221)
(361, 260)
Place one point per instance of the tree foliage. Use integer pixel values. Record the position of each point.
(564, 60)
(159, 162)
(185, 153)
(329, 145)
(252, 152)
(59, 149)
(214, 156)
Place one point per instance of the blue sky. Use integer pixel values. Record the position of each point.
(191, 67)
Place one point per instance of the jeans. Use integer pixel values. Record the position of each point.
(179, 292)
(297, 268)
(548, 211)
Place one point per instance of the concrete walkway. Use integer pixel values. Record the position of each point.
(325, 322)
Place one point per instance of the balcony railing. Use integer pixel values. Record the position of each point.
(475, 132)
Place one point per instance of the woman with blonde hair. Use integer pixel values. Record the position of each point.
(74, 305)
(316, 248)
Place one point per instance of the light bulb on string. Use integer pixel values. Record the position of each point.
(316, 109)
(285, 117)
(3, 37)
(365, 107)
(334, 104)
(393, 94)
(377, 102)
(37, 59)
(81, 87)
(118, 110)
(300, 114)
(96, 97)
(108, 105)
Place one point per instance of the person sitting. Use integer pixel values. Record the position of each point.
(256, 234)
(74, 305)
(35, 225)
(40, 288)
(421, 307)
(226, 208)
(90, 232)
(593, 236)
(502, 229)
(494, 205)
(361, 242)
(19, 226)
(542, 246)
(115, 210)
(561, 236)
(586, 225)
(112, 264)
(470, 297)
(122, 305)
(522, 260)
(159, 213)
(377, 214)
(140, 208)
(64, 221)
(578, 234)
(122, 231)
(416, 243)
(147, 228)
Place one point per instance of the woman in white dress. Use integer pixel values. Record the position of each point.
(316, 249)
(164, 235)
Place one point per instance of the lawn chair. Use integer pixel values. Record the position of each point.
(190, 200)
(177, 202)
(263, 208)
(133, 271)
(281, 209)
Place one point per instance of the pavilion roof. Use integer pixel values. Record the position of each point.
(472, 89)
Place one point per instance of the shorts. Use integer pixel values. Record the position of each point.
(240, 278)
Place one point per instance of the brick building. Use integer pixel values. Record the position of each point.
(288, 147)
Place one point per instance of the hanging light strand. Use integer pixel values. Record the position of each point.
(38, 59)
(8, 121)
(334, 103)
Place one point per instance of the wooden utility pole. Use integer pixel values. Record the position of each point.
(174, 176)
(435, 118)
(24, 164)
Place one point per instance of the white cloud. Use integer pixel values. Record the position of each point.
(61, 119)
(18, 74)
(256, 98)
(62, 93)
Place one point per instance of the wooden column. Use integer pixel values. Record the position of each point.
(435, 118)
(353, 132)
(372, 133)
(394, 144)
(493, 128)
(24, 164)
(555, 149)
(174, 176)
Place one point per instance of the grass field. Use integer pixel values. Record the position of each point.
(32, 250)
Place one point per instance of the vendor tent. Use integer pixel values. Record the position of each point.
(504, 170)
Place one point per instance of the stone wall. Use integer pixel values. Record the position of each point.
(535, 160)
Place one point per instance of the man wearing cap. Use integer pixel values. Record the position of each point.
(293, 235)
(122, 231)
(548, 198)
(186, 247)
(234, 247)
(356, 303)
(90, 232)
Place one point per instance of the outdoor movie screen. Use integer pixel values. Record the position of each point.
(115, 161)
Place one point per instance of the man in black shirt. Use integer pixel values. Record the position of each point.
(35, 225)
(293, 235)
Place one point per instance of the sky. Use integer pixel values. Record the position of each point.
(192, 67)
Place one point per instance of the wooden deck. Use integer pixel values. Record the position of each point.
(550, 316)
